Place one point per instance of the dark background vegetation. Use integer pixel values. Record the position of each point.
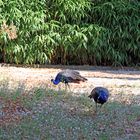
(94, 32)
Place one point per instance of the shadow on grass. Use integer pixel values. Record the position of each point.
(61, 115)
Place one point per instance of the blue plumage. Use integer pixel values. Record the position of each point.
(56, 82)
(68, 76)
(103, 96)
(57, 79)
(100, 95)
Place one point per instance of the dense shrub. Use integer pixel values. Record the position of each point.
(103, 32)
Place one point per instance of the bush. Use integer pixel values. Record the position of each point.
(70, 32)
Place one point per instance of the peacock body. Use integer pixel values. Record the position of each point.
(68, 76)
(100, 95)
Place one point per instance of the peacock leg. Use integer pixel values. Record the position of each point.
(67, 86)
(100, 107)
(96, 107)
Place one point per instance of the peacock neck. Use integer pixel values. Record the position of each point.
(56, 82)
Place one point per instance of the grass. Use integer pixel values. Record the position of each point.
(42, 113)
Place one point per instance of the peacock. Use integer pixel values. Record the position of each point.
(100, 95)
(68, 76)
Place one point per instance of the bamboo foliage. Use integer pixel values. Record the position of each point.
(71, 11)
(121, 19)
(70, 32)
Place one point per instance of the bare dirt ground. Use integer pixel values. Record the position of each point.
(118, 80)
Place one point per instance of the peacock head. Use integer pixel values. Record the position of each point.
(52, 80)
(55, 82)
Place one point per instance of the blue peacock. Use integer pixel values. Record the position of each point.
(100, 95)
(68, 76)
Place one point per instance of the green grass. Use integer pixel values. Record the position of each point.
(57, 115)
